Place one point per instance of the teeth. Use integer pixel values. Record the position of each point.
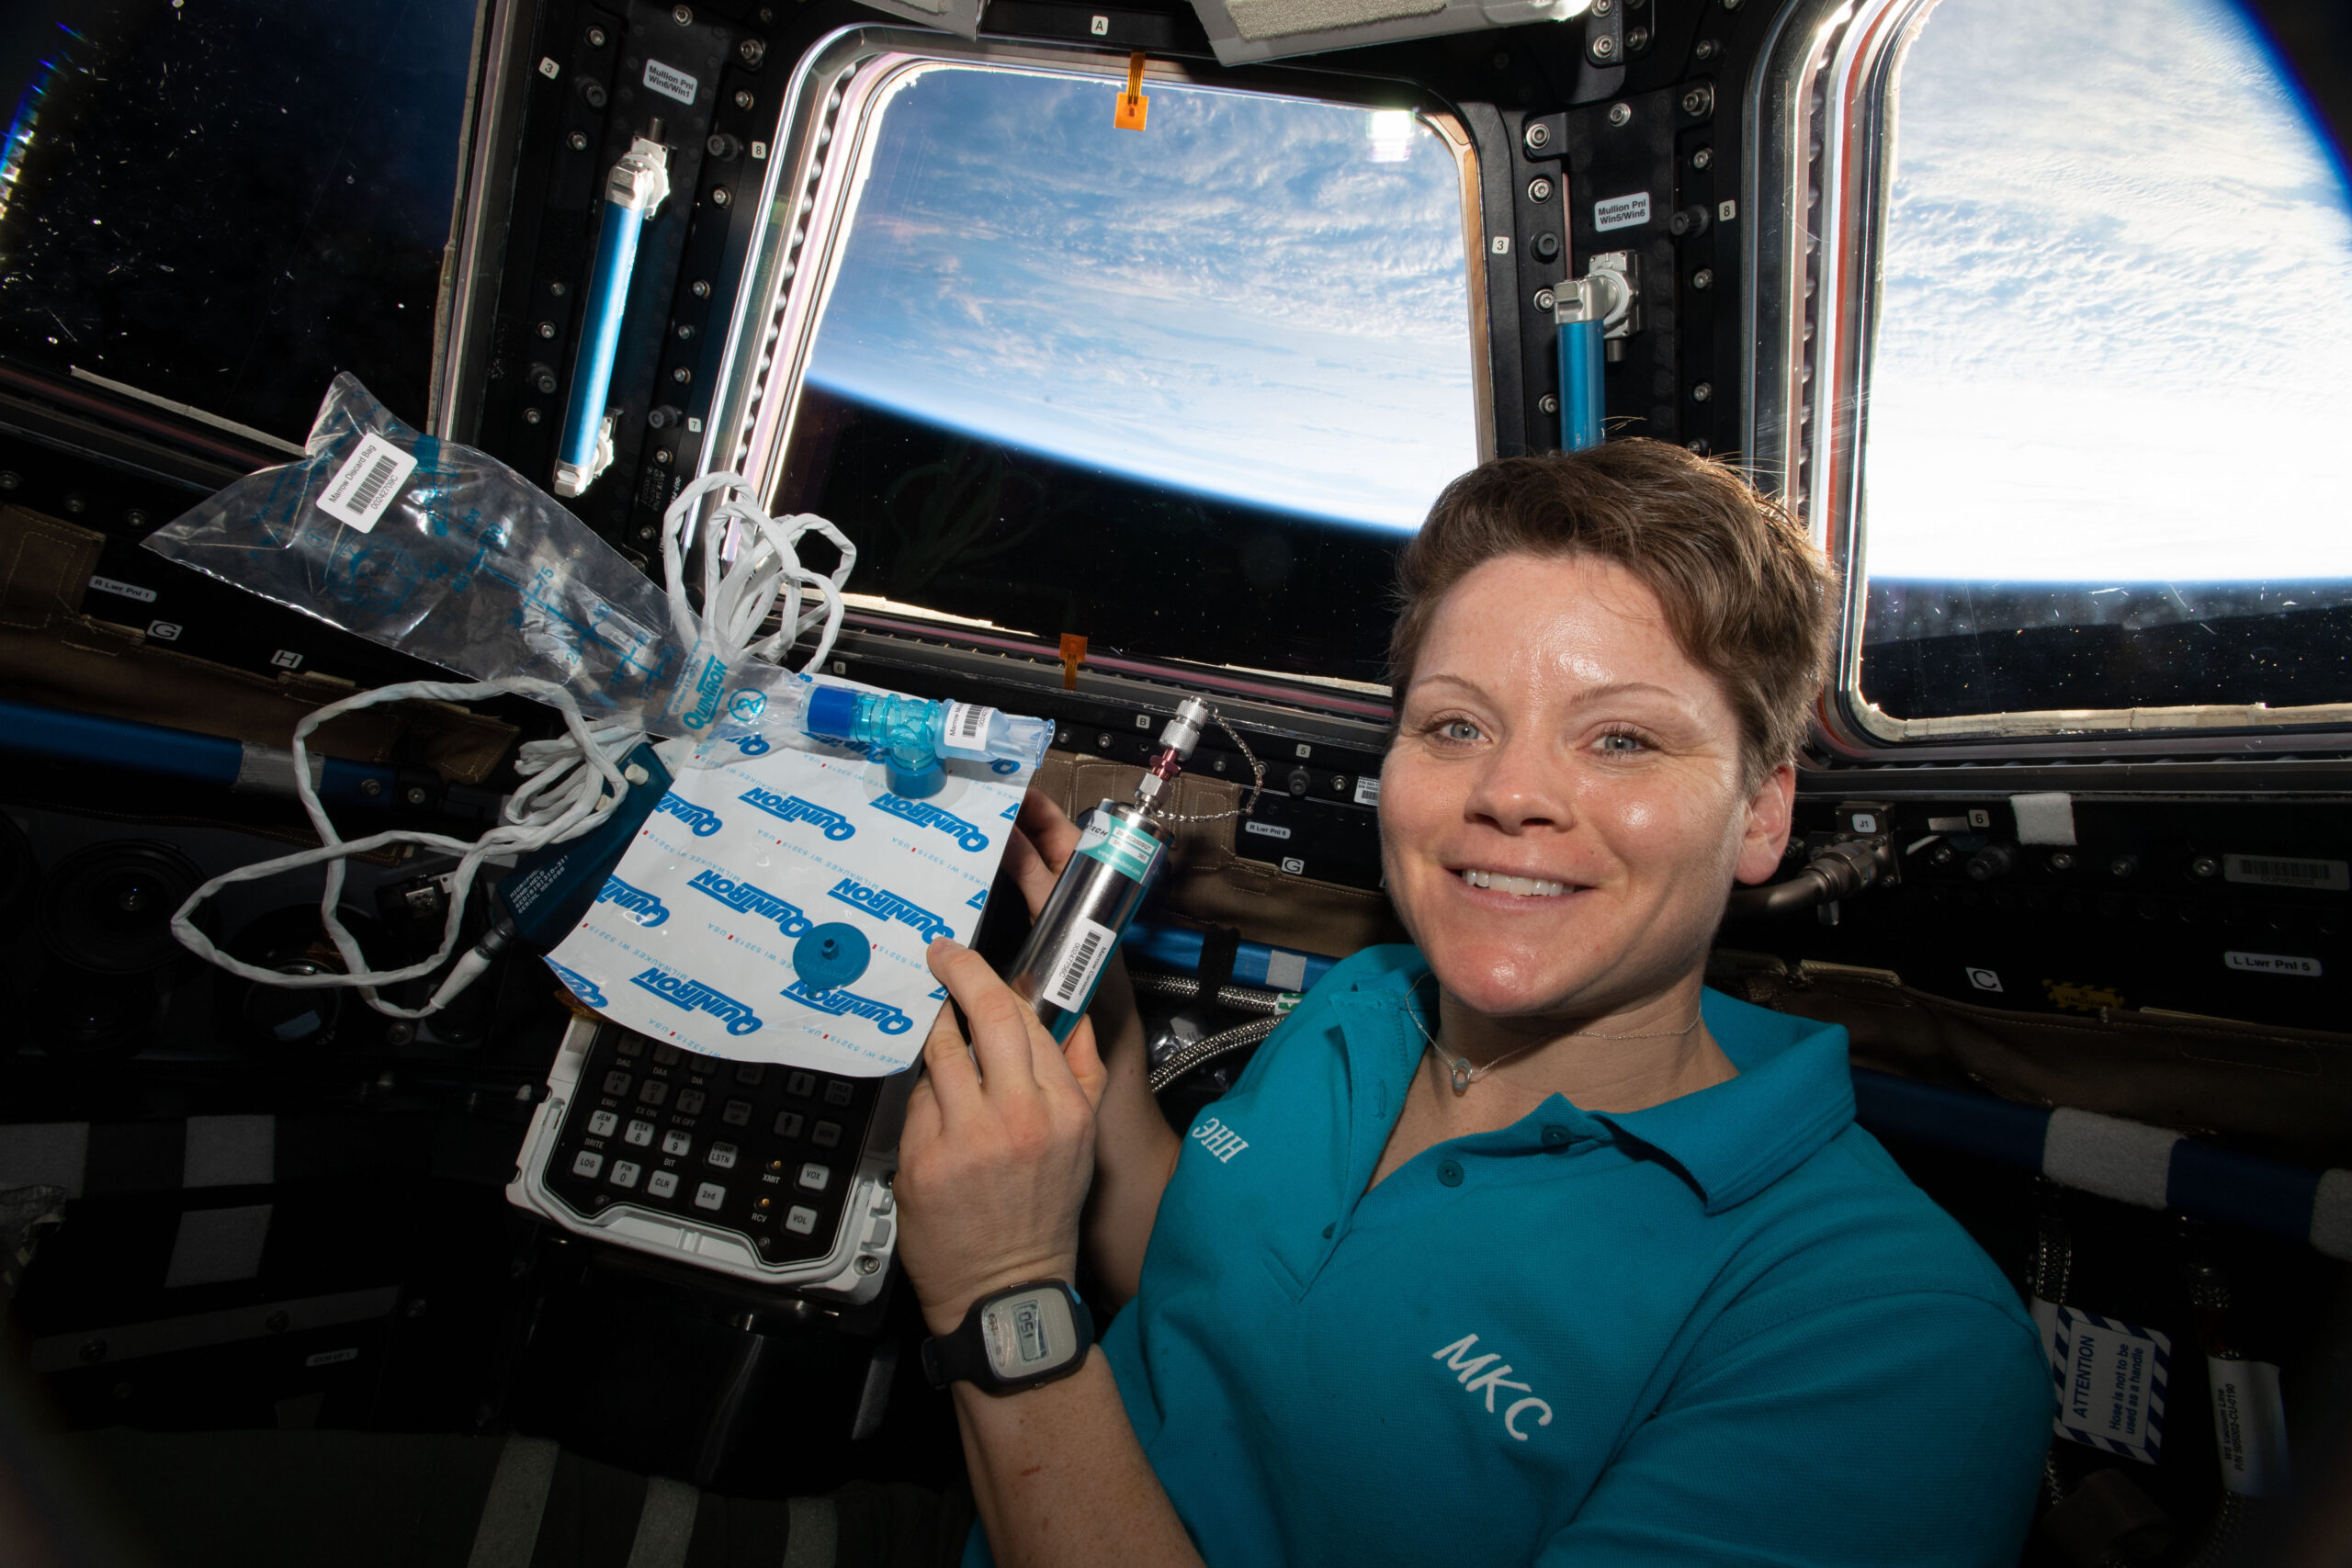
(1525, 887)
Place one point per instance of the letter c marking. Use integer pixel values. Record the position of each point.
(1510, 1416)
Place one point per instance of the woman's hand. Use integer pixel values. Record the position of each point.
(999, 1147)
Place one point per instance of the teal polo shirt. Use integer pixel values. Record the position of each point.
(1723, 1329)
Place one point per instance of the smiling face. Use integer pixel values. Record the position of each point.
(1564, 808)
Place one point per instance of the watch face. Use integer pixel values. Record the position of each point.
(1028, 1333)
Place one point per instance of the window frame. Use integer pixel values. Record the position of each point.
(1819, 105)
(826, 138)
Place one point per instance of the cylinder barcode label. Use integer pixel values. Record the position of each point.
(968, 726)
(2275, 871)
(1084, 952)
(364, 487)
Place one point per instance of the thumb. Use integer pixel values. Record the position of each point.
(1086, 1063)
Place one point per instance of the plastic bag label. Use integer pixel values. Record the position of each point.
(362, 489)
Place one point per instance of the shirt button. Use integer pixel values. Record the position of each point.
(1450, 1172)
(1554, 1135)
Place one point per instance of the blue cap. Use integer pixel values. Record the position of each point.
(913, 783)
(832, 713)
(832, 956)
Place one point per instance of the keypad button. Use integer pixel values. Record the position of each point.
(801, 1221)
(675, 1143)
(699, 1063)
(709, 1195)
(666, 1054)
(827, 1135)
(690, 1102)
(624, 1172)
(738, 1113)
(800, 1086)
(630, 1046)
(788, 1124)
(751, 1072)
(587, 1162)
(653, 1091)
(617, 1083)
(640, 1133)
(838, 1092)
(661, 1184)
(815, 1177)
(722, 1157)
(601, 1124)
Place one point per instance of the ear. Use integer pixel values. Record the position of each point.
(1765, 832)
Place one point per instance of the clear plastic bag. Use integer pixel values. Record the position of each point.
(466, 564)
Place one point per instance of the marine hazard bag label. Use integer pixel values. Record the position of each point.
(1070, 981)
(2111, 1379)
(363, 489)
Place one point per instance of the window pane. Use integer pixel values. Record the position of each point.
(1183, 392)
(225, 203)
(2104, 461)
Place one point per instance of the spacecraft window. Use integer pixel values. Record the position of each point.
(2083, 463)
(224, 206)
(1183, 391)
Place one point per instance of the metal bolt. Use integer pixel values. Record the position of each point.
(532, 416)
(1704, 158)
(1544, 299)
(682, 375)
(744, 99)
(869, 1264)
(1538, 136)
(547, 329)
(2204, 865)
(646, 532)
(719, 197)
(371, 788)
(720, 145)
(2062, 861)
(1620, 113)
(542, 378)
(1731, 5)
(752, 50)
(76, 505)
(11, 480)
(593, 93)
(1697, 445)
(1549, 402)
(135, 517)
(555, 287)
(1702, 391)
(596, 38)
(1604, 8)
(577, 141)
(1539, 189)
(413, 794)
(1703, 278)
(1102, 741)
(1546, 247)
(399, 1032)
(1699, 99)
(1637, 39)
(1706, 50)
(699, 290)
(685, 330)
(2123, 866)
(1943, 855)
(1602, 48)
(661, 455)
(682, 15)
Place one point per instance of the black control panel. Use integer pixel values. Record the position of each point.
(768, 1152)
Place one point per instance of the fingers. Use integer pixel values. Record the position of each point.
(1002, 1022)
(1027, 867)
(1049, 827)
(1082, 1061)
(950, 1072)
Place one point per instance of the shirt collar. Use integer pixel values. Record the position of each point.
(1795, 1092)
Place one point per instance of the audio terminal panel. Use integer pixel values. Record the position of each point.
(770, 1174)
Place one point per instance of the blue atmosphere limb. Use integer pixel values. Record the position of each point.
(1581, 398)
(831, 954)
(28, 729)
(600, 334)
(1177, 949)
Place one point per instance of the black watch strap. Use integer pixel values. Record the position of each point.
(962, 1356)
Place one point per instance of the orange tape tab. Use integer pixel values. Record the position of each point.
(1073, 655)
(1132, 109)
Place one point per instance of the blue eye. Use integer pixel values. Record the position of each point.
(1621, 744)
(1458, 730)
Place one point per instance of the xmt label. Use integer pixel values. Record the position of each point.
(746, 899)
(1621, 211)
(2263, 870)
(2272, 963)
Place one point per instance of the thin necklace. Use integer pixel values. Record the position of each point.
(1464, 1075)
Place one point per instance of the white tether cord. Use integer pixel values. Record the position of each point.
(571, 782)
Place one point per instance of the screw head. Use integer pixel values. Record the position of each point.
(1731, 5)
(869, 1264)
(744, 99)
(752, 50)
(374, 787)
(1538, 136)
(413, 794)
(2062, 861)
(1703, 278)
(1620, 113)
(646, 532)
(1539, 189)
(1604, 8)
(661, 455)
(277, 1322)
(555, 287)
(2204, 865)
(2123, 866)
(682, 15)
(1706, 50)
(1699, 99)
(1702, 391)
(1943, 855)
(1696, 446)
(593, 94)
(93, 1350)
(1549, 402)
(682, 375)
(1544, 299)
(1637, 39)
(719, 196)
(532, 416)
(577, 141)
(547, 329)
(699, 290)
(1704, 158)
(1602, 48)
(597, 38)
(76, 505)
(135, 517)
(11, 481)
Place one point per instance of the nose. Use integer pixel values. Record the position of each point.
(1521, 787)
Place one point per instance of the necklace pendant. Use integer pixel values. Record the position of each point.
(1461, 1068)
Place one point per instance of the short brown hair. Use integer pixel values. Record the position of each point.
(1745, 593)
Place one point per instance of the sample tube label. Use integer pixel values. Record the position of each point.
(1079, 962)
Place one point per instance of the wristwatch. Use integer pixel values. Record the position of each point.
(1014, 1339)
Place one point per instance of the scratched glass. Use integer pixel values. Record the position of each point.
(2104, 464)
